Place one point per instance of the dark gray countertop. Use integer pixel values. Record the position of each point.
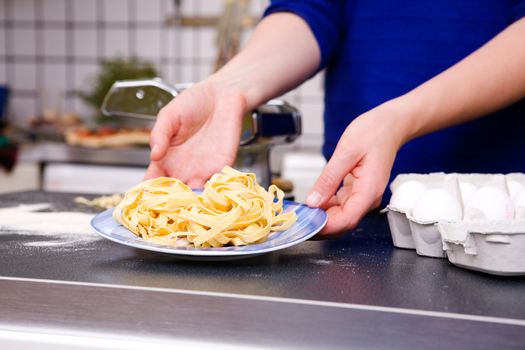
(362, 269)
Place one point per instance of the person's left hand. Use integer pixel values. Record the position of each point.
(362, 162)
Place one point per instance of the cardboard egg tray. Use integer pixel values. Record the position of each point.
(491, 246)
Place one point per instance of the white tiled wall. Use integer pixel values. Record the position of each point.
(55, 45)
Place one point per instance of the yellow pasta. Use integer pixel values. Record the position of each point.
(103, 202)
(232, 210)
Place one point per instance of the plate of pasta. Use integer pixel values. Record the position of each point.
(232, 217)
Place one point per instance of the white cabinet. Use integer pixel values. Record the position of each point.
(303, 169)
(24, 177)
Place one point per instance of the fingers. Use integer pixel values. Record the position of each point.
(346, 217)
(352, 204)
(336, 225)
(343, 193)
(165, 128)
(153, 171)
(348, 180)
(341, 163)
(332, 202)
(196, 183)
(340, 197)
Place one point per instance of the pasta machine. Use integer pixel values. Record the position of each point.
(276, 122)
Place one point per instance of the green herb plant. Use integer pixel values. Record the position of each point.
(112, 70)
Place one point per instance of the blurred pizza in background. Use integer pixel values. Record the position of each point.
(107, 137)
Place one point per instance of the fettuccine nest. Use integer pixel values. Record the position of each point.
(232, 210)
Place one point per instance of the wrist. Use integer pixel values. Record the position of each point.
(234, 84)
(403, 118)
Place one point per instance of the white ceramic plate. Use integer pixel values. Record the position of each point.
(309, 222)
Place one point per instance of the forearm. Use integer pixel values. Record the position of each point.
(487, 80)
(280, 55)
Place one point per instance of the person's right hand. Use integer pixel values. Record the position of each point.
(197, 133)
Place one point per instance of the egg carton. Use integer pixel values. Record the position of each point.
(409, 232)
(397, 215)
(494, 247)
(425, 231)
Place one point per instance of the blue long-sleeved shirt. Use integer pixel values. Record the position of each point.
(376, 50)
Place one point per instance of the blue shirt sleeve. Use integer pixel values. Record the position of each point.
(324, 17)
(518, 9)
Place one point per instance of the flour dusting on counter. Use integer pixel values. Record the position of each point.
(64, 227)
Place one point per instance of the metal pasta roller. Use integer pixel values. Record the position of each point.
(137, 102)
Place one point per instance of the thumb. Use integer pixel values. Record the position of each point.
(331, 177)
(163, 131)
(153, 171)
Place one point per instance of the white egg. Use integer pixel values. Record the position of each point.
(519, 200)
(490, 202)
(406, 195)
(437, 205)
(519, 204)
(467, 190)
(515, 188)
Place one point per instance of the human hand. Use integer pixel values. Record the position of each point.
(197, 133)
(362, 162)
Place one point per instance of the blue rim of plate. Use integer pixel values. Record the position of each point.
(309, 222)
